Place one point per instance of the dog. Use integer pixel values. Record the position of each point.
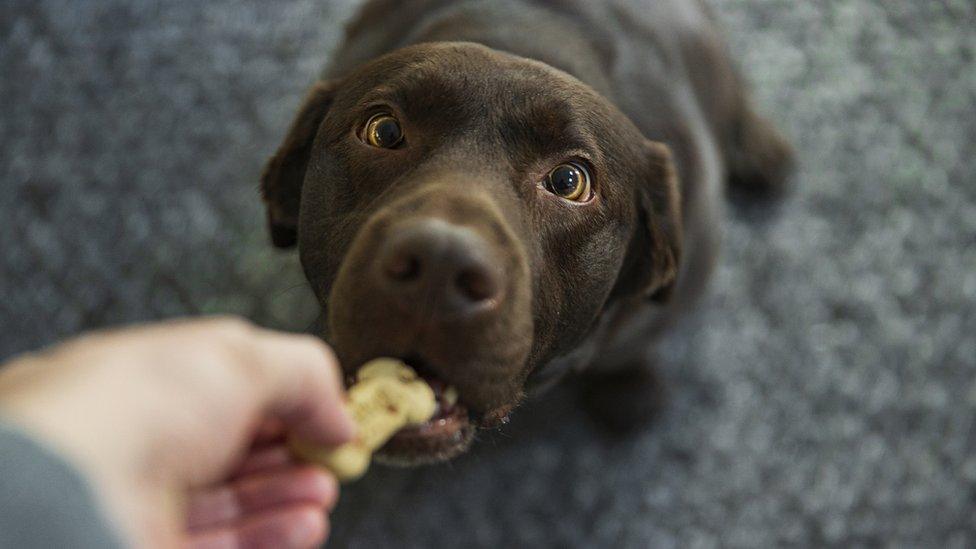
(503, 192)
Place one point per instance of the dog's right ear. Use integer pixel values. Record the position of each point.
(281, 182)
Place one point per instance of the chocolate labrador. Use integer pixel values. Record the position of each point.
(501, 192)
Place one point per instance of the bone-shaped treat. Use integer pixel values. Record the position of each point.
(387, 396)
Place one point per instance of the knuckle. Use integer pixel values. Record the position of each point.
(231, 323)
(230, 340)
(231, 328)
(315, 343)
(321, 350)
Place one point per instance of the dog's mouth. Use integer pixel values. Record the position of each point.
(446, 434)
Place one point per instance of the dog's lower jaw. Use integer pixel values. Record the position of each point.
(413, 451)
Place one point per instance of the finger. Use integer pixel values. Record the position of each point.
(295, 528)
(297, 379)
(293, 377)
(264, 459)
(263, 492)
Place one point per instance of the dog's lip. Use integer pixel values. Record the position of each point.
(446, 425)
(446, 434)
(451, 428)
(450, 415)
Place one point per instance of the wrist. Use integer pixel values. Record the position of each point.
(79, 432)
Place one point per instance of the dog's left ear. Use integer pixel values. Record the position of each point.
(655, 251)
(281, 182)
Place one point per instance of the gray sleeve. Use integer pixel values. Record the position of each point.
(44, 502)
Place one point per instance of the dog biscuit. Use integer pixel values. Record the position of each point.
(387, 396)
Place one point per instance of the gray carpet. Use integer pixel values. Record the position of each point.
(825, 396)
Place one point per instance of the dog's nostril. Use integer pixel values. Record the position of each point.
(437, 270)
(403, 267)
(476, 284)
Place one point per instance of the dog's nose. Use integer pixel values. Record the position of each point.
(432, 266)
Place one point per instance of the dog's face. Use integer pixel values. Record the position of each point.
(470, 212)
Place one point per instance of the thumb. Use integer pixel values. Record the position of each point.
(298, 380)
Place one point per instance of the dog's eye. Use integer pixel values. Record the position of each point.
(570, 181)
(383, 131)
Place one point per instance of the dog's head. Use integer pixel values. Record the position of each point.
(472, 213)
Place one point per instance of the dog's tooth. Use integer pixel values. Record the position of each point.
(450, 395)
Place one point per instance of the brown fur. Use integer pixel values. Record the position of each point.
(487, 110)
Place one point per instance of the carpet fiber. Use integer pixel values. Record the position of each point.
(824, 396)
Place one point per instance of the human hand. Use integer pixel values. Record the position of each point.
(178, 427)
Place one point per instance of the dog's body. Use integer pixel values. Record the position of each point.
(658, 63)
